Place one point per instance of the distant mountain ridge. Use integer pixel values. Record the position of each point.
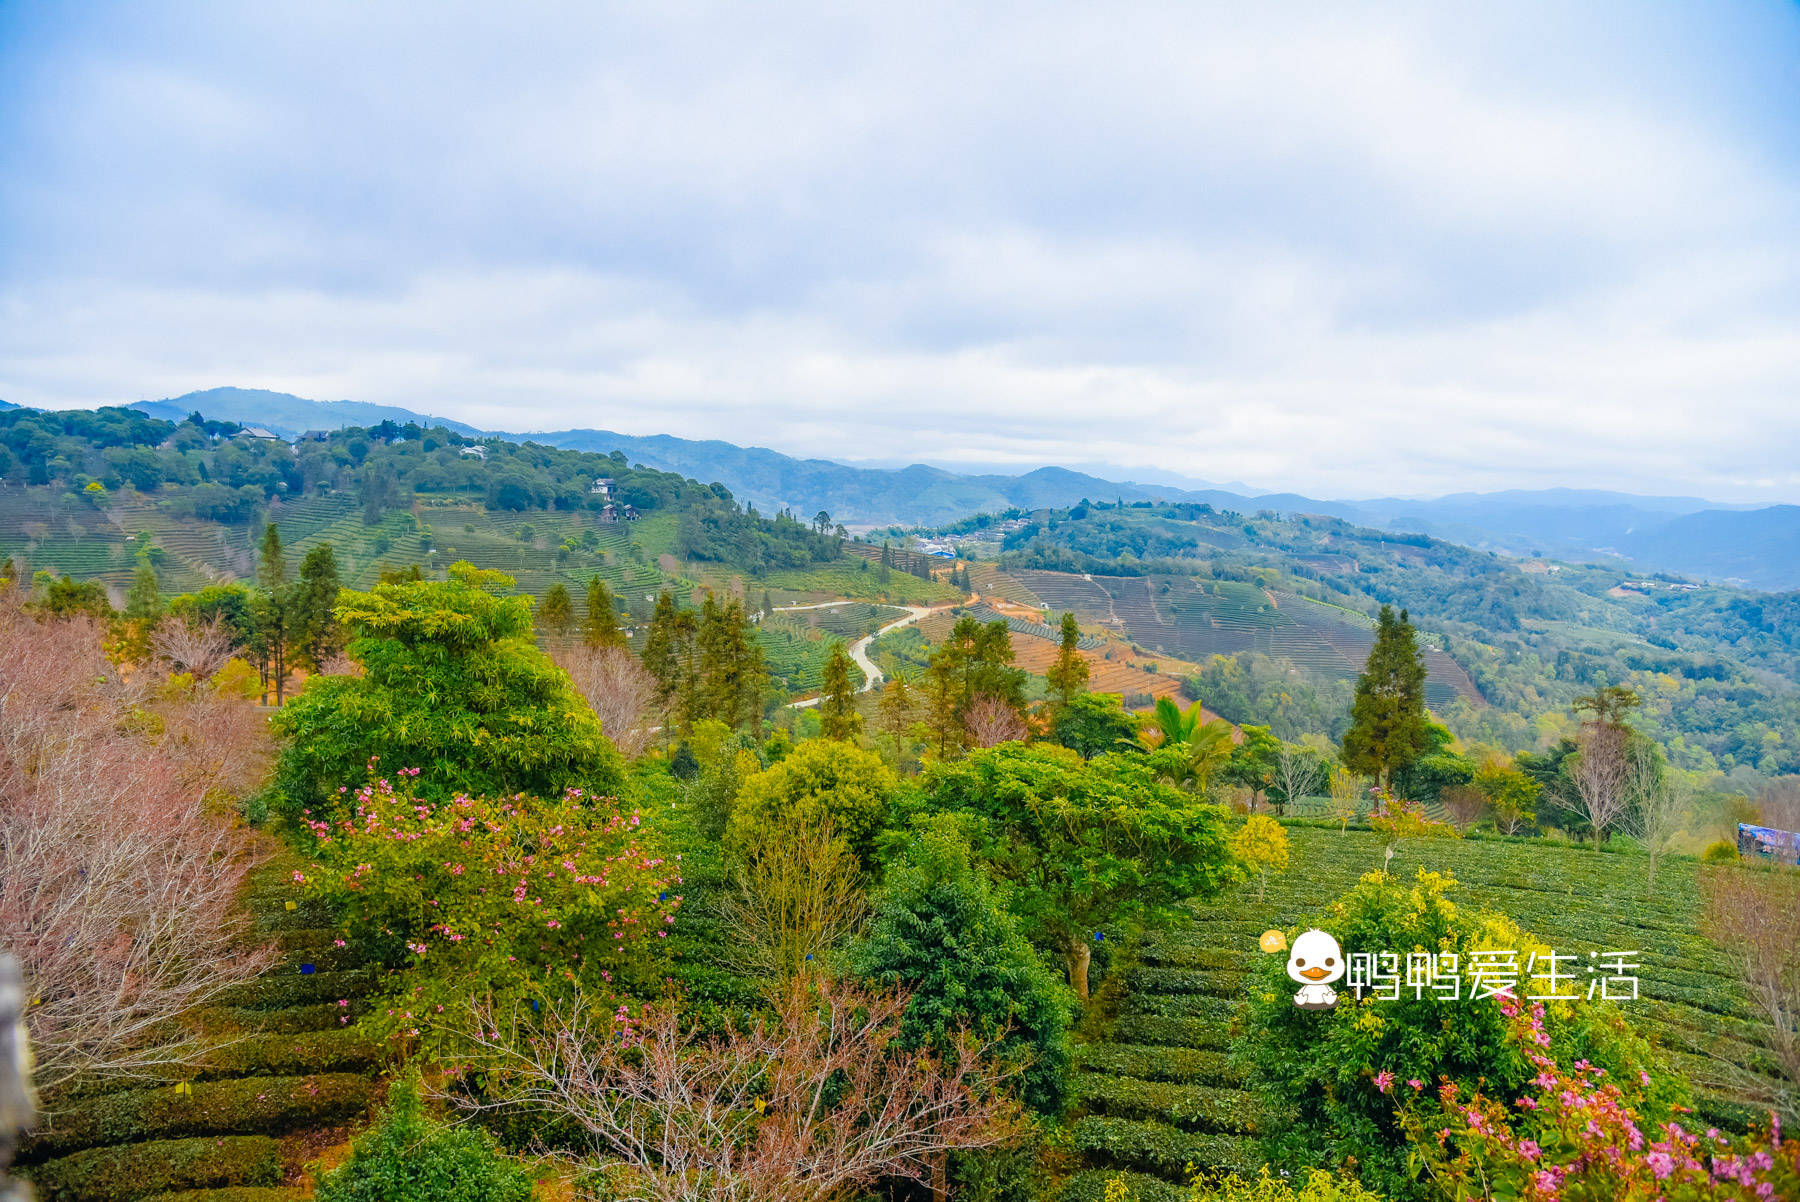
(1757, 546)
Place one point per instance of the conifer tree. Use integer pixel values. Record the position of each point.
(272, 617)
(897, 713)
(316, 628)
(601, 629)
(557, 611)
(663, 653)
(1387, 718)
(144, 602)
(1068, 676)
(838, 718)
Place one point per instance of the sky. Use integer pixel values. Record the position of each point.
(1340, 249)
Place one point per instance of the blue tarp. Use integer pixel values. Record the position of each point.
(1767, 841)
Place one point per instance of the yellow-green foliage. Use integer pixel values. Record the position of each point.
(1315, 1185)
(822, 781)
(1262, 844)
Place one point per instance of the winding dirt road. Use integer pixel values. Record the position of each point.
(859, 650)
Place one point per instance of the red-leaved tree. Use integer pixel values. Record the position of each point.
(118, 876)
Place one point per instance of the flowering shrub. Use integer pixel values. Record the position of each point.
(1579, 1134)
(1325, 1105)
(510, 898)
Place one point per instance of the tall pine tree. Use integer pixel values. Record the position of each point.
(1068, 676)
(838, 718)
(558, 611)
(602, 626)
(316, 629)
(1387, 719)
(273, 618)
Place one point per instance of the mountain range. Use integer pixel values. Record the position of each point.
(1754, 546)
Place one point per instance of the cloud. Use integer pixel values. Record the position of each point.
(1347, 252)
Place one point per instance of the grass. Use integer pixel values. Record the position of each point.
(1158, 1091)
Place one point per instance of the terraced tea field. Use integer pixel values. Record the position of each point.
(285, 1078)
(1159, 1092)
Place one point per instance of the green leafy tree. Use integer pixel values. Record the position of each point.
(144, 603)
(274, 616)
(601, 625)
(1254, 761)
(1437, 769)
(1093, 724)
(410, 1157)
(668, 655)
(314, 606)
(1511, 795)
(1202, 748)
(897, 716)
(1387, 718)
(558, 612)
(452, 684)
(1082, 844)
(1068, 676)
(939, 933)
(837, 702)
(823, 781)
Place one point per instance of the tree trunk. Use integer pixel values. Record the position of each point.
(940, 1177)
(1079, 955)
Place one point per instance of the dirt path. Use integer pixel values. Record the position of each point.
(859, 650)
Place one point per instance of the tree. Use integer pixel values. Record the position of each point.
(1387, 717)
(1262, 844)
(975, 660)
(1346, 797)
(1299, 771)
(790, 910)
(316, 628)
(1511, 795)
(273, 616)
(1094, 723)
(1600, 771)
(1082, 844)
(144, 602)
(1255, 758)
(668, 653)
(1463, 805)
(617, 688)
(1662, 797)
(453, 685)
(197, 648)
(601, 627)
(120, 878)
(1068, 676)
(1755, 917)
(558, 612)
(820, 1101)
(896, 710)
(1204, 747)
(939, 934)
(823, 781)
(837, 702)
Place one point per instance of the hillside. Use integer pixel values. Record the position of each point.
(1735, 543)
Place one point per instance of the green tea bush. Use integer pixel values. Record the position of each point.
(410, 1157)
(131, 1171)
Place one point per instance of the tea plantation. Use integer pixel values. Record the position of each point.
(287, 1073)
(1159, 1093)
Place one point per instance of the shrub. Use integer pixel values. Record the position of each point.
(451, 684)
(134, 1170)
(263, 1105)
(1316, 1185)
(821, 781)
(516, 898)
(409, 1157)
(1316, 1069)
(940, 934)
(1722, 852)
(1577, 1134)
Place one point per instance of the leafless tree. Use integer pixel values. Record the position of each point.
(618, 688)
(1298, 772)
(1778, 805)
(118, 881)
(795, 904)
(813, 1104)
(1661, 798)
(198, 648)
(1463, 805)
(1601, 774)
(1753, 913)
(991, 721)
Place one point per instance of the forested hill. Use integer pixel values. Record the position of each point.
(87, 492)
(1715, 665)
(1744, 544)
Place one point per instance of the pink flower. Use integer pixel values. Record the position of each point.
(1415, 1083)
(1384, 1080)
(1529, 1149)
(1661, 1163)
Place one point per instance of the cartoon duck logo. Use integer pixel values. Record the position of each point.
(1315, 961)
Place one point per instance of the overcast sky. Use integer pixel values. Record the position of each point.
(1344, 250)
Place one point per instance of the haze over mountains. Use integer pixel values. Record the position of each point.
(1754, 546)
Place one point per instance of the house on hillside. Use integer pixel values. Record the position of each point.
(260, 434)
(474, 453)
(315, 436)
(602, 487)
(631, 513)
(609, 512)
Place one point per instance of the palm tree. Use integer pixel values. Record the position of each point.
(1206, 745)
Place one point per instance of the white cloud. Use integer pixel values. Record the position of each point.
(1345, 252)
